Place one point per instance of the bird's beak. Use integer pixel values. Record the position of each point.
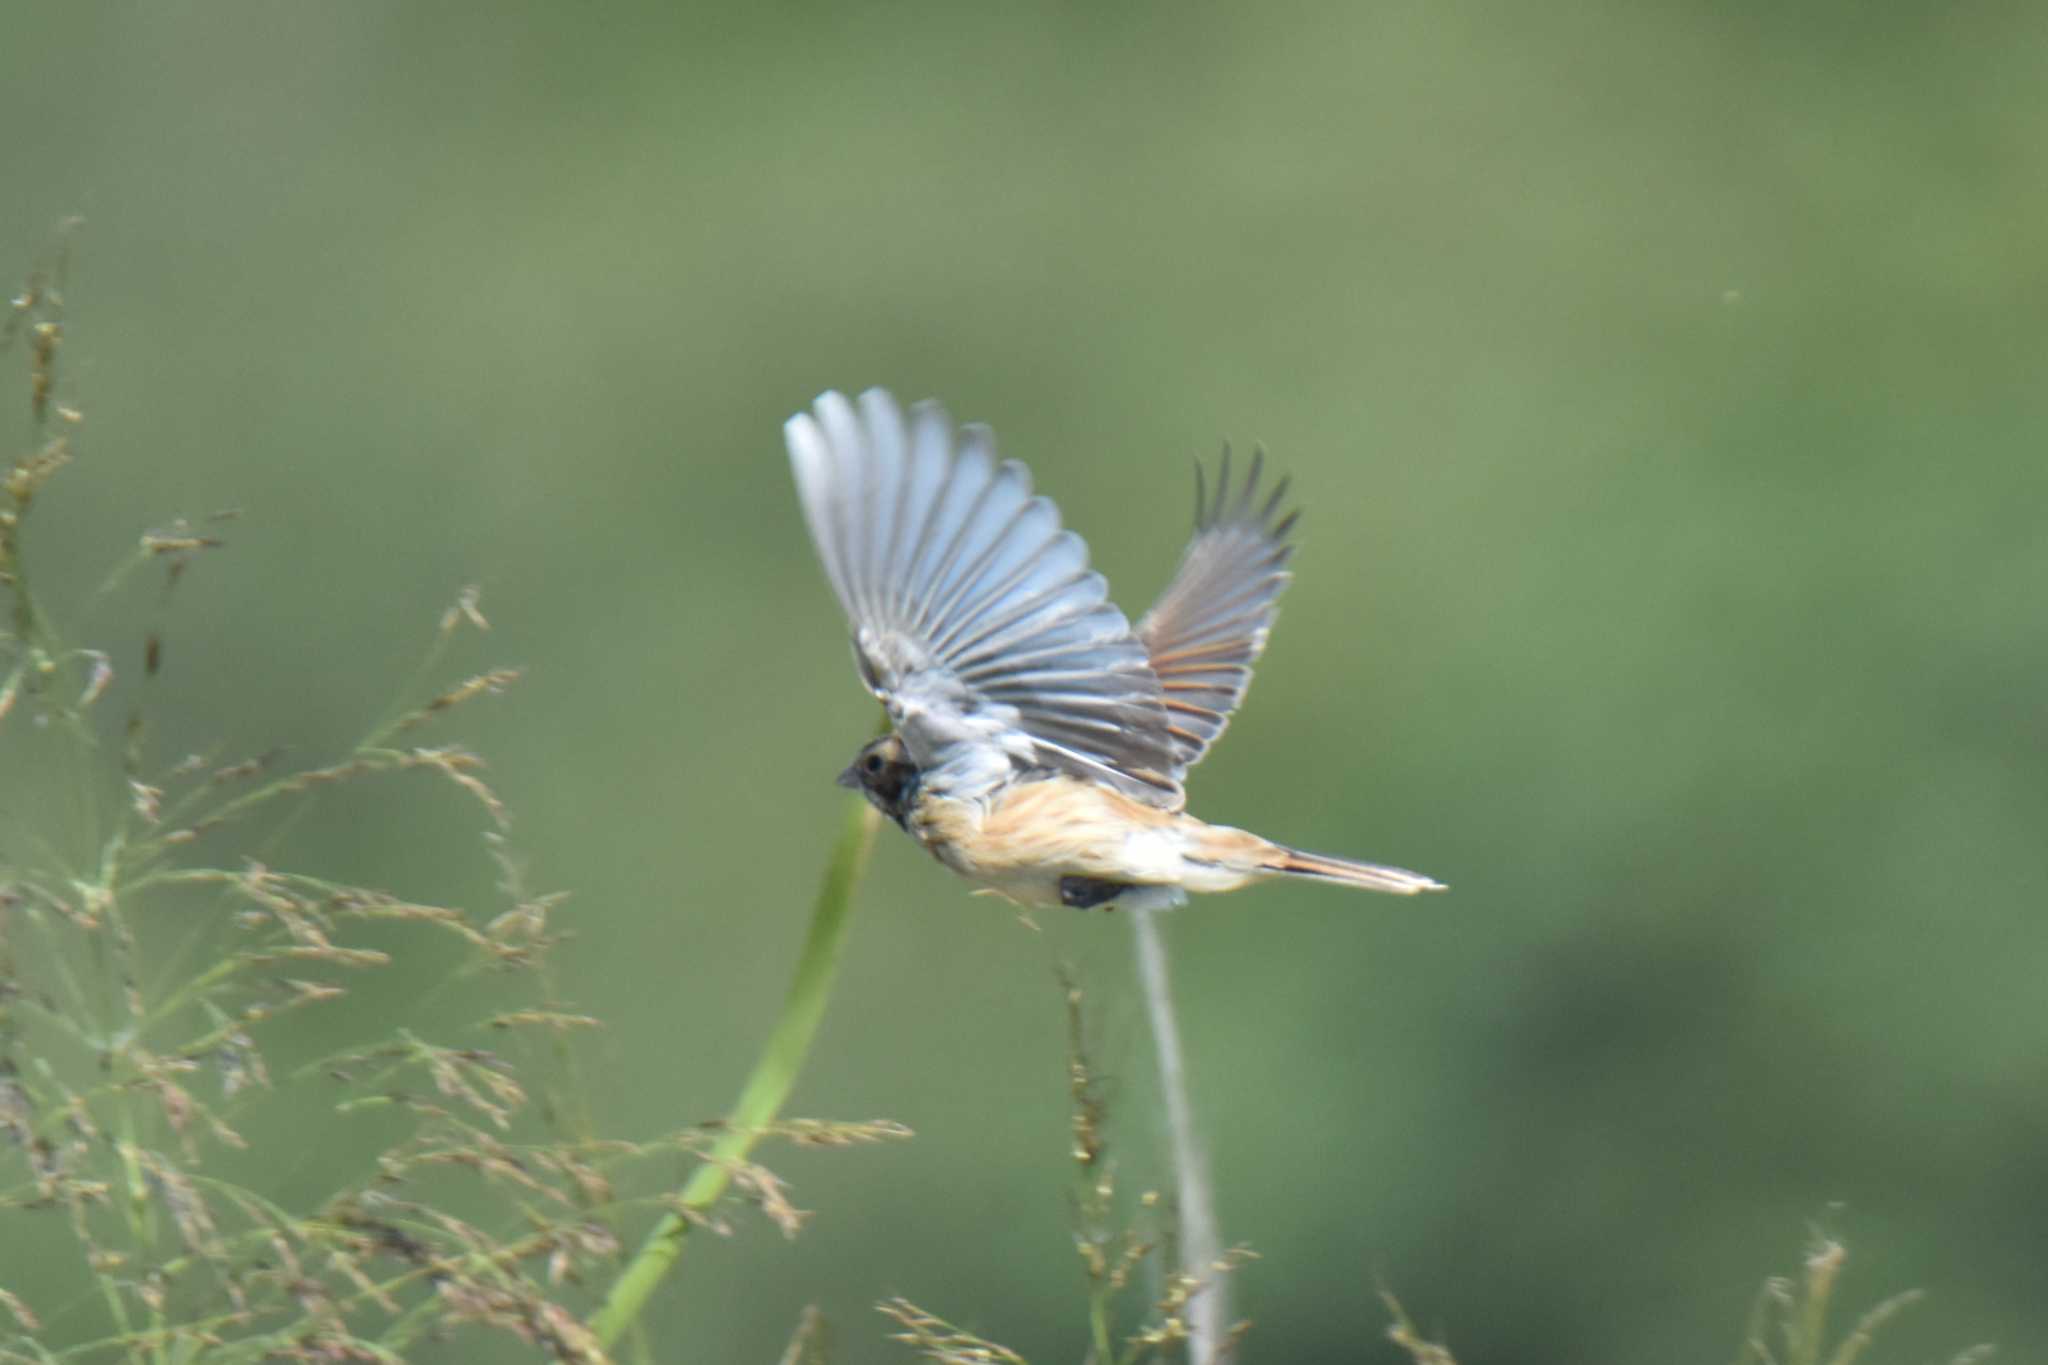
(851, 777)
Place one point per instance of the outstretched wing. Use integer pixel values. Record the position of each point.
(1210, 624)
(975, 618)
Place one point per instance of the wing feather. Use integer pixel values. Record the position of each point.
(976, 618)
(1210, 625)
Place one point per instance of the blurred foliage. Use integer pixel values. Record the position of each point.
(1662, 386)
(142, 988)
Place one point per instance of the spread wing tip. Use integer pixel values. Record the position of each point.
(1212, 621)
(1244, 509)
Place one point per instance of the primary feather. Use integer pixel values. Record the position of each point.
(975, 617)
(1210, 625)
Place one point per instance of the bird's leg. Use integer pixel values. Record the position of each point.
(1085, 893)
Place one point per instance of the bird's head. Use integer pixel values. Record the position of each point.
(882, 772)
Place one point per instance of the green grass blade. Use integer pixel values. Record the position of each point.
(767, 1088)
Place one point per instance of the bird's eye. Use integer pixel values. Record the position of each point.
(872, 763)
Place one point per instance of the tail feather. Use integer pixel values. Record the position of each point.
(1370, 876)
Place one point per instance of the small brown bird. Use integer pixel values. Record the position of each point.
(1039, 740)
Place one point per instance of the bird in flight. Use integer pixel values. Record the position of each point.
(1038, 740)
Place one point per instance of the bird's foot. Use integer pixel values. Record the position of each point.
(1085, 893)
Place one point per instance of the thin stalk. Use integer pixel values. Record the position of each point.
(1100, 1351)
(1201, 1241)
(766, 1089)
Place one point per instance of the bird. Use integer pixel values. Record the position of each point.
(1037, 741)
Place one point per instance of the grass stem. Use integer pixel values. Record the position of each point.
(766, 1089)
(1201, 1239)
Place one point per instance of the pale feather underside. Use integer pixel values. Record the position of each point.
(976, 618)
(1211, 623)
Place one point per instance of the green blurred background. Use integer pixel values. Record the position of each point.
(1664, 388)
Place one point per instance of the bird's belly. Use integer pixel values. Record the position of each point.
(1022, 842)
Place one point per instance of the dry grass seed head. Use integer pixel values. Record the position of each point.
(20, 1311)
(940, 1341)
(1402, 1333)
(491, 683)
(807, 1344)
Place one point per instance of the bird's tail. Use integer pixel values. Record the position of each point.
(1369, 876)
